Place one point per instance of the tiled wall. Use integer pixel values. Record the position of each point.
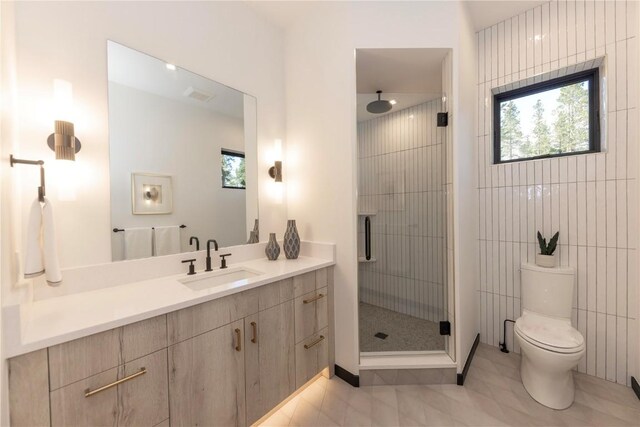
(401, 179)
(590, 199)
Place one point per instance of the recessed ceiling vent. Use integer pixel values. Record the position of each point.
(198, 94)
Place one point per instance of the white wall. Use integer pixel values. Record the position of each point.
(591, 199)
(152, 134)
(321, 125)
(226, 42)
(401, 177)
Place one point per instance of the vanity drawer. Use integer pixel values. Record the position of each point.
(304, 283)
(135, 394)
(308, 282)
(312, 356)
(192, 321)
(322, 278)
(311, 313)
(275, 293)
(70, 407)
(82, 358)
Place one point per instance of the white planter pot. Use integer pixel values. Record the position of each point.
(548, 261)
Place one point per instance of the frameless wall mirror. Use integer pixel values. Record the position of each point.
(182, 158)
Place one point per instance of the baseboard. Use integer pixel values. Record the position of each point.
(347, 376)
(467, 364)
(635, 386)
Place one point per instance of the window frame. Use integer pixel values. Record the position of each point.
(592, 76)
(227, 152)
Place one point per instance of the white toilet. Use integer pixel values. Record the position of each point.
(549, 345)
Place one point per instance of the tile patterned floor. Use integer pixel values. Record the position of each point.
(493, 395)
(405, 333)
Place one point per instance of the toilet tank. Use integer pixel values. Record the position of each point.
(547, 291)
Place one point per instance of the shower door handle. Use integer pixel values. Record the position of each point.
(367, 238)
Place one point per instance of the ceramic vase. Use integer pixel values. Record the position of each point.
(548, 261)
(291, 242)
(273, 248)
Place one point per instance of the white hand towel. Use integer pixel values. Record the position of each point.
(49, 245)
(167, 240)
(138, 242)
(33, 266)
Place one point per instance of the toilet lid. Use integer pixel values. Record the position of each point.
(553, 334)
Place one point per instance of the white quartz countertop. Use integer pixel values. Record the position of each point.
(52, 321)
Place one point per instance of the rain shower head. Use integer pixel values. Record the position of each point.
(380, 105)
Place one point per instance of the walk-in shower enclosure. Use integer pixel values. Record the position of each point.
(404, 189)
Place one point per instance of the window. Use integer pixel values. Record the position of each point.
(557, 117)
(233, 170)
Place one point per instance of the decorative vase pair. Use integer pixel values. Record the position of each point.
(291, 243)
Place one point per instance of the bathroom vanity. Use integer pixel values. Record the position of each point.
(226, 361)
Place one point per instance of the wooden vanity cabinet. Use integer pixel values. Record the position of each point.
(226, 362)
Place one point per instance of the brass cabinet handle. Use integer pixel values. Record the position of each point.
(310, 300)
(238, 340)
(89, 392)
(316, 342)
(254, 328)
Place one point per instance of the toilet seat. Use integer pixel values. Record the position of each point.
(556, 335)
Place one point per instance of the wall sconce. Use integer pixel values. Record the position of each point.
(63, 140)
(275, 171)
(276, 188)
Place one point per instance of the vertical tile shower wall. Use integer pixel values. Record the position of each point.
(590, 199)
(401, 179)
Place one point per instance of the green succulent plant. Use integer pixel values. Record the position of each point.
(548, 248)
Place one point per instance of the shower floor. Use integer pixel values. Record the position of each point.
(404, 332)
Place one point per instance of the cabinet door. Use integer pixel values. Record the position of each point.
(207, 378)
(270, 359)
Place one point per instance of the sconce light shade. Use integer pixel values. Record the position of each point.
(275, 171)
(63, 141)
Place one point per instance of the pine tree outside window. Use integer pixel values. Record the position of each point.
(558, 117)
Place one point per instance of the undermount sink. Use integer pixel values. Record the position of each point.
(219, 278)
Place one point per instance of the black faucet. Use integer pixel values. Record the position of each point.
(215, 245)
(191, 239)
(223, 262)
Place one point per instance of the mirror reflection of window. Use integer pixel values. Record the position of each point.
(233, 170)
